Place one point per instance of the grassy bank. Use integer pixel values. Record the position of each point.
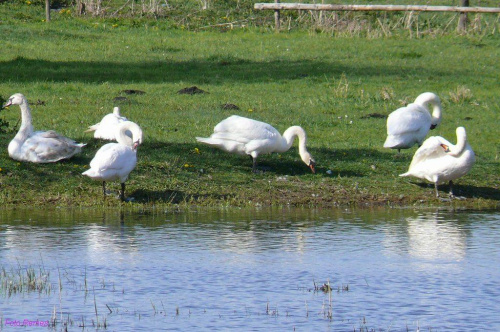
(72, 70)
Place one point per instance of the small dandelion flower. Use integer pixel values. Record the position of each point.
(115, 25)
(0, 169)
(196, 150)
(250, 110)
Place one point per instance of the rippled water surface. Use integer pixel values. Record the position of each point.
(389, 270)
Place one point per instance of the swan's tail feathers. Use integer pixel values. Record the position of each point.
(202, 139)
(406, 174)
(91, 173)
(208, 140)
(92, 128)
(391, 142)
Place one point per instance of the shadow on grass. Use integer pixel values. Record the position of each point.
(459, 190)
(288, 163)
(171, 196)
(211, 70)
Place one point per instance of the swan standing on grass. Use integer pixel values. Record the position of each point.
(115, 161)
(38, 146)
(241, 135)
(437, 160)
(106, 129)
(409, 125)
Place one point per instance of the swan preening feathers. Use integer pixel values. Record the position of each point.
(437, 160)
(38, 146)
(409, 125)
(115, 161)
(241, 135)
(106, 129)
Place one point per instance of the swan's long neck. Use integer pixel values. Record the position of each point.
(458, 148)
(436, 113)
(429, 98)
(26, 128)
(123, 138)
(289, 136)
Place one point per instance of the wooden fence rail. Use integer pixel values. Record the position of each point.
(400, 8)
(277, 6)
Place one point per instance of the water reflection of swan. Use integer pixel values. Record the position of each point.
(101, 240)
(431, 237)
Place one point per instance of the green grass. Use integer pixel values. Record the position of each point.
(76, 67)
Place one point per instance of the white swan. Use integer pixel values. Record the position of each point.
(115, 161)
(409, 125)
(241, 135)
(437, 160)
(38, 146)
(106, 129)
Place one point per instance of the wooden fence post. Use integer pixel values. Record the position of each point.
(462, 23)
(277, 18)
(47, 10)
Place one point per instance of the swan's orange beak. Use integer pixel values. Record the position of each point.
(7, 104)
(445, 147)
(312, 166)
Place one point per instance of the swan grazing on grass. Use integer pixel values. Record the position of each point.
(38, 146)
(437, 160)
(241, 135)
(409, 125)
(115, 161)
(106, 129)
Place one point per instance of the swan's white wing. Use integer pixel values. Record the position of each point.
(243, 130)
(49, 146)
(113, 161)
(112, 156)
(106, 129)
(408, 119)
(430, 149)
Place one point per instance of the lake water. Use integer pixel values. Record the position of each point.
(251, 270)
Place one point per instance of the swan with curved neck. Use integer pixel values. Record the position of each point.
(409, 125)
(438, 160)
(106, 128)
(115, 161)
(242, 135)
(38, 146)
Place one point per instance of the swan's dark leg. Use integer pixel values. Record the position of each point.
(451, 189)
(104, 188)
(122, 193)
